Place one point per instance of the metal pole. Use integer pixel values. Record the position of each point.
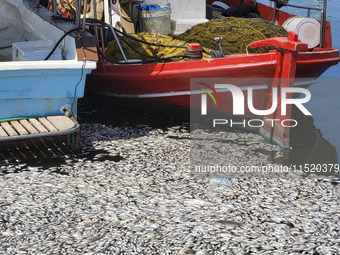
(322, 28)
(94, 3)
(78, 14)
(323, 24)
(274, 14)
(102, 40)
(325, 7)
(110, 12)
(54, 7)
(118, 43)
(84, 15)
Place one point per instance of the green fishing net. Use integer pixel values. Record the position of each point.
(236, 33)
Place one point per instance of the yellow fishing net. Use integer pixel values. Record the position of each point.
(237, 33)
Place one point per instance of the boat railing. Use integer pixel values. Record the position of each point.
(54, 6)
(109, 26)
(309, 9)
(78, 4)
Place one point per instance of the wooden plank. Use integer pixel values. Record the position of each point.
(2, 132)
(20, 129)
(61, 122)
(37, 125)
(29, 127)
(9, 130)
(47, 124)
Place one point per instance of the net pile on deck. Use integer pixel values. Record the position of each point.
(237, 33)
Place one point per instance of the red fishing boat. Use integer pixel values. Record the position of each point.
(168, 84)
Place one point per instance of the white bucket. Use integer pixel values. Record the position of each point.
(308, 30)
(157, 21)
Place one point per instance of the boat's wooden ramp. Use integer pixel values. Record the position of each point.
(28, 131)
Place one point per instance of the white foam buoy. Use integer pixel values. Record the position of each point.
(308, 29)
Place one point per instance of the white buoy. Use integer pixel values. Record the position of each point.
(308, 29)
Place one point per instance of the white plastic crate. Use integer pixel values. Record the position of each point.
(34, 51)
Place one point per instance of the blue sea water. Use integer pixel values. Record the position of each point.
(325, 102)
(327, 113)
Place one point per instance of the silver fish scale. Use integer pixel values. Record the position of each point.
(148, 202)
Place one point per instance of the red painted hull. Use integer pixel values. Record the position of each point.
(140, 81)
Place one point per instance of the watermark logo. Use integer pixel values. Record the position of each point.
(239, 100)
(204, 96)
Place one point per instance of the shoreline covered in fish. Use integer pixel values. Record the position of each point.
(138, 196)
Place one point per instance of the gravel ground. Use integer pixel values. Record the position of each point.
(137, 196)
